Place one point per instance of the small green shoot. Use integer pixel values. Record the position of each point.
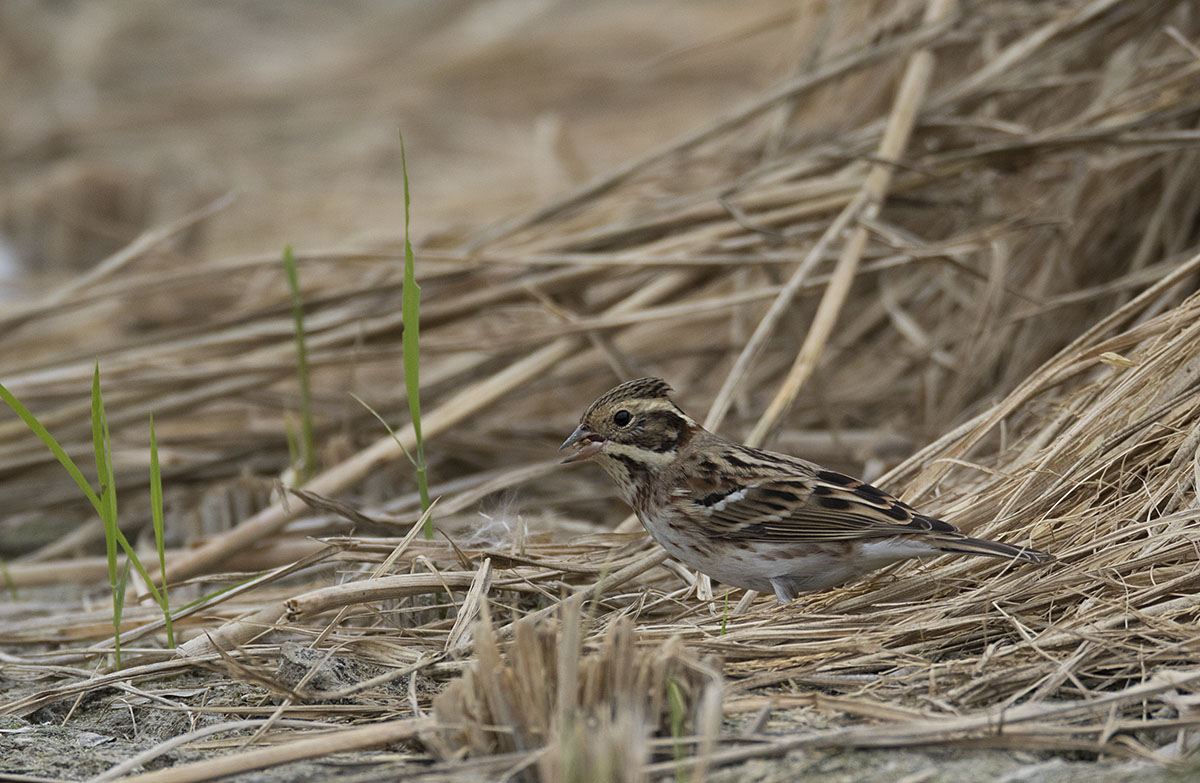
(678, 718)
(48, 440)
(308, 451)
(410, 304)
(102, 445)
(106, 502)
(156, 512)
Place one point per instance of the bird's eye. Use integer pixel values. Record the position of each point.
(622, 418)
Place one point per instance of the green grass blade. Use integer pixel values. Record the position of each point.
(156, 512)
(386, 426)
(132, 554)
(50, 443)
(119, 609)
(293, 439)
(410, 304)
(302, 370)
(107, 504)
(102, 447)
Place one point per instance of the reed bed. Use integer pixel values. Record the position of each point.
(957, 253)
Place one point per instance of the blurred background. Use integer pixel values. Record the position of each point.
(118, 116)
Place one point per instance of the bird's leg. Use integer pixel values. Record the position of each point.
(785, 591)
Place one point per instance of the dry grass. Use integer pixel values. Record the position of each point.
(1017, 289)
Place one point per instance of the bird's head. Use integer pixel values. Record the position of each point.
(631, 430)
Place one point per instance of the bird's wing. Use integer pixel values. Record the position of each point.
(823, 506)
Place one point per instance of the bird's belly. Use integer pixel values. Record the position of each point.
(753, 564)
(804, 566)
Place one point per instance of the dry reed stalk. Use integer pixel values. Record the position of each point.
(90, 570)
(373, 735)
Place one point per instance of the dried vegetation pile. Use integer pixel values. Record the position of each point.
(977, 229)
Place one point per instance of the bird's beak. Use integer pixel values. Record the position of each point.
(591, 443)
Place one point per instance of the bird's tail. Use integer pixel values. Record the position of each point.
(980, 546)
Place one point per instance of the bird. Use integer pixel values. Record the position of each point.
(752, 518)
